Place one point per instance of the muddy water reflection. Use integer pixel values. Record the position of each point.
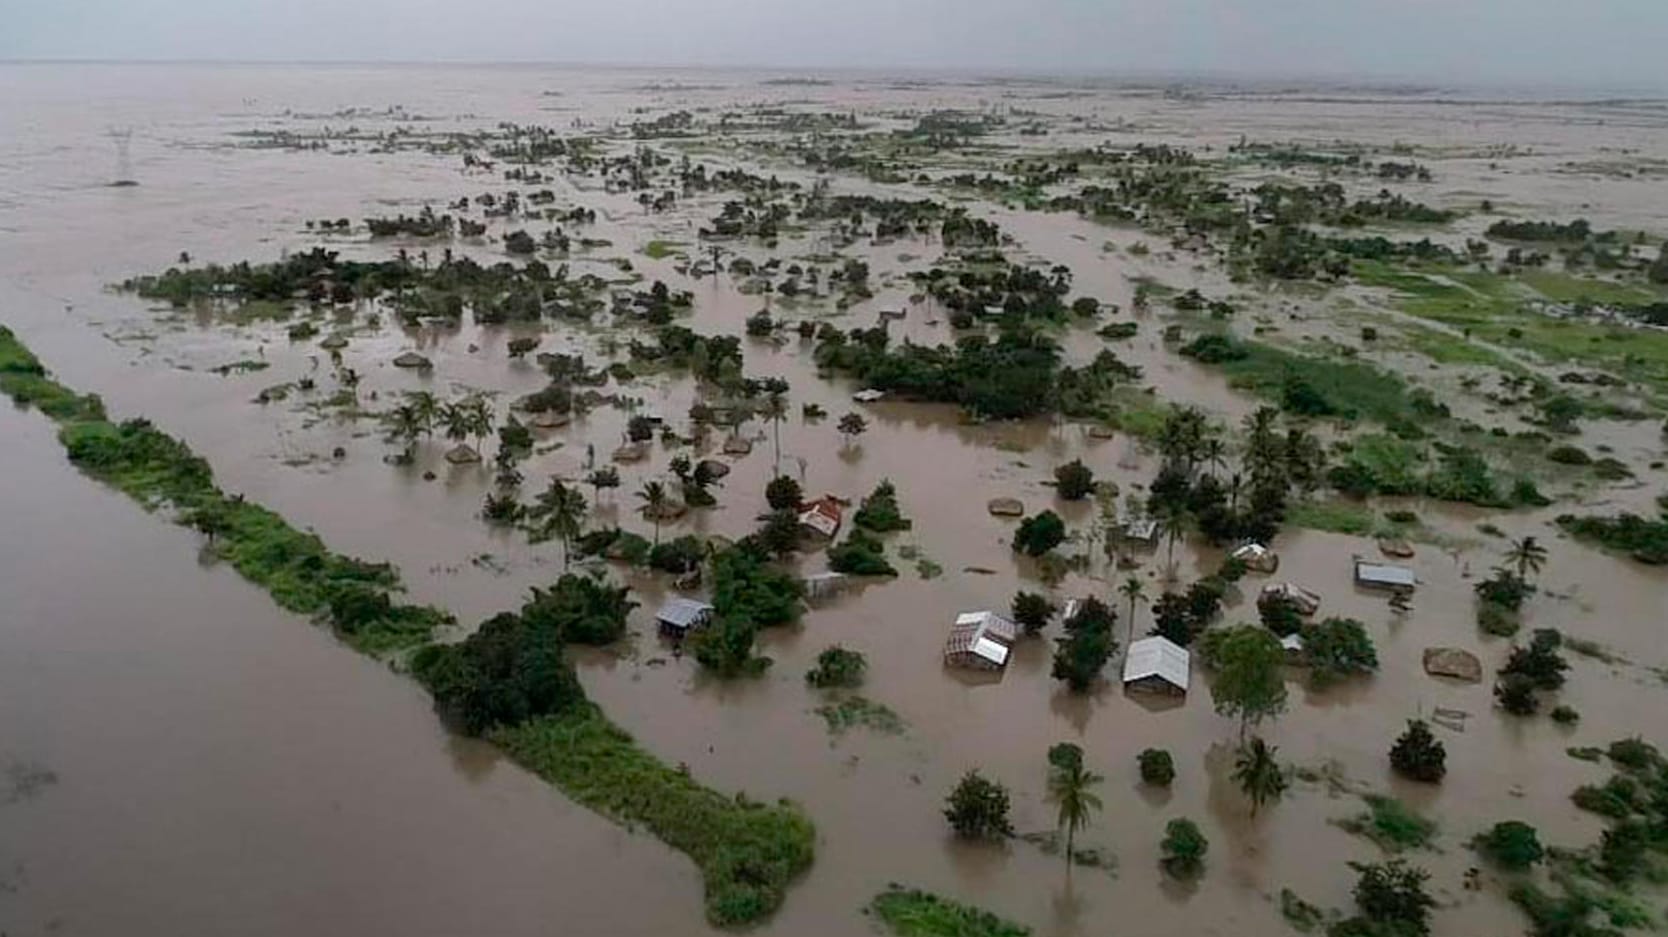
(221, 763)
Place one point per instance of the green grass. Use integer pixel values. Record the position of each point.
(1319, 386)
(658, 249)
(852, 712)
(909, 912)
(1393, 825)
(748, 853)
(1444, 348)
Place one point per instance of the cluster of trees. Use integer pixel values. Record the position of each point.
(1008, 378)
(1081, 654)
(748, 594)
(421, 413)
(1531, 670)
(1500, 597)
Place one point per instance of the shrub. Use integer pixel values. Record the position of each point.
(1074, 480)
(1539, 662)
(914, 913)
(1338, 648)
(1157, 767)
(783, 493)
(879, 512)
(1418, 755)
(1634, 754)
(1088, 644)
(679, 555)
(1392, 896)
(580, 609)
(860, 555)
(1565, 715)
(1569, 455)
(1183, 848)
(1039, 534)
(1516, 694)
(1511, 844)
(1279, 614)
(506, 673)
(837, 667)
(978, 808)
(1032, 611)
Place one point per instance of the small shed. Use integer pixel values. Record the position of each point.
(980, 641)
(1140, 530)
(1257, 557)
(822, 517)
(1384, 576)
(1157, 665)
(1306, 602)
(822, 585)
(680, 615)
(869, 395)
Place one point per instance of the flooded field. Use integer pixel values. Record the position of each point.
(179, 755)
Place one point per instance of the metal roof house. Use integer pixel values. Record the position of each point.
(1157, 665)
(679, 615)
(869, 395)
(1306, 602)
(1384, 576)
(1140, 530)
(980, 641)
(822, 516)
(1256, 556)
(822, 585)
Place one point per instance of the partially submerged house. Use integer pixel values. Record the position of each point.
(1306, 602)
(980, 641)
(1371, 575)
(681, 615)
(822, 517)
(1157, 665)
(869, 395)
(1142, 530)
(1256, 557)
(823, 585)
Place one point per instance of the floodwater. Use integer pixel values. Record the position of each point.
(180, 756)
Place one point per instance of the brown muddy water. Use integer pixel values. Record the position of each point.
(181, 757)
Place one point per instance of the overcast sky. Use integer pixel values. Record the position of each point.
(1578, 43)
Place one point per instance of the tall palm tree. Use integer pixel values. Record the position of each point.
(1070, 788)
(454, 417)
(1527, 555)
(1215, 454)
(654, 498)
(477, 414)
(1258, 774)
(562, 515)
(426, 407)
(776, 410)
(1172, 524)
(1134, 591)
(405, 423)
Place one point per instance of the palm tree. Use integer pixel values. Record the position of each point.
(1134, 591)
(562, 513)
(405, 423)
(1172, 524)
(456, 420)
(477, 415)
(1069, 786)
(1527, 555)
(1258, 774)
(426, 407)
(654, 498)
(1215, 454)
(776, 410)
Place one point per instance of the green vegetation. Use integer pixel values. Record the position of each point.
(1417, 754)
(1336, 649)
(978, 808)
(915, 913)
(1081, 654)
(1157, 767)
(1306, 385)
(511, 678)
(747, 852)
(1071, 789)
(1183, 848)
(1392, 902)
(879, 512)
(1644, 540)
(156, 469)
(860, 554)
(1512, 845)
(1039, 533)
(850, 712)
(1391, 824)
(837, 668)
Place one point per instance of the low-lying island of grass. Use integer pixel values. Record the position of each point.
(748, 853)
(910, 912)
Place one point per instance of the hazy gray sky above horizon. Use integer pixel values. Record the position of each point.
(1586, 43)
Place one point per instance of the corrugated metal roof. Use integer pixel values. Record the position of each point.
(683, 613)
(1157, 657)
(993, 651)
(1384, 574)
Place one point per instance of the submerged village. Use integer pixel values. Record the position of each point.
(935, 507)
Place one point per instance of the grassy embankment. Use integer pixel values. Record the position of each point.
(748, 853)
(909, 912)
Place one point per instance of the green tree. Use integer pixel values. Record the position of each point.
(783, 493)
(1337, 648)
(978, 808)
(1258, 774)
(1183, 848)
(1081, 654)
(1039, 533)
(1071, 788)
(1157, 767)
(606, 477)
(1526, 555)
(654, 497)
(851, 426)
(837, 667)
(1032, 611)
(1172, 521)
(560, 512)
(580, 609)
(1392, 900)
(1248, 683)
(776, 410)
(1418, 755)
(1135, 592)
(405, 424)
(1512, 844)
(1074, 481)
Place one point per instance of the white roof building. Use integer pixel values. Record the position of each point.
(868, 395)
(1384, 576)
(1157, 663)
(980, 640)
(680, 614)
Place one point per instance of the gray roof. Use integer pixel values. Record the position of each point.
(682, 613)
(1384, 574)
(1157, 657)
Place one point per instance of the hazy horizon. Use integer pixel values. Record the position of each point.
(1470, 43)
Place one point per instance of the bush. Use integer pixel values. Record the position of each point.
(580, 609)
(1032, 611)
(1511, 844)
(1569, 455)
(1183, 848)
(1516, 694)
(506, 673)
(1039, 534)
(978, 808)
(1337, 648)
(1074, 481)
(860, 555)
(1418, 755)
(1539, 662)
(1279, 614)
(1392, 895)
(783, 493)
(1157, 767)
(879, 512)
(914, 913)
(677, 556)
(1088, 644)
(837, 667)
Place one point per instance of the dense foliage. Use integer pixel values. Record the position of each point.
(978, 808)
